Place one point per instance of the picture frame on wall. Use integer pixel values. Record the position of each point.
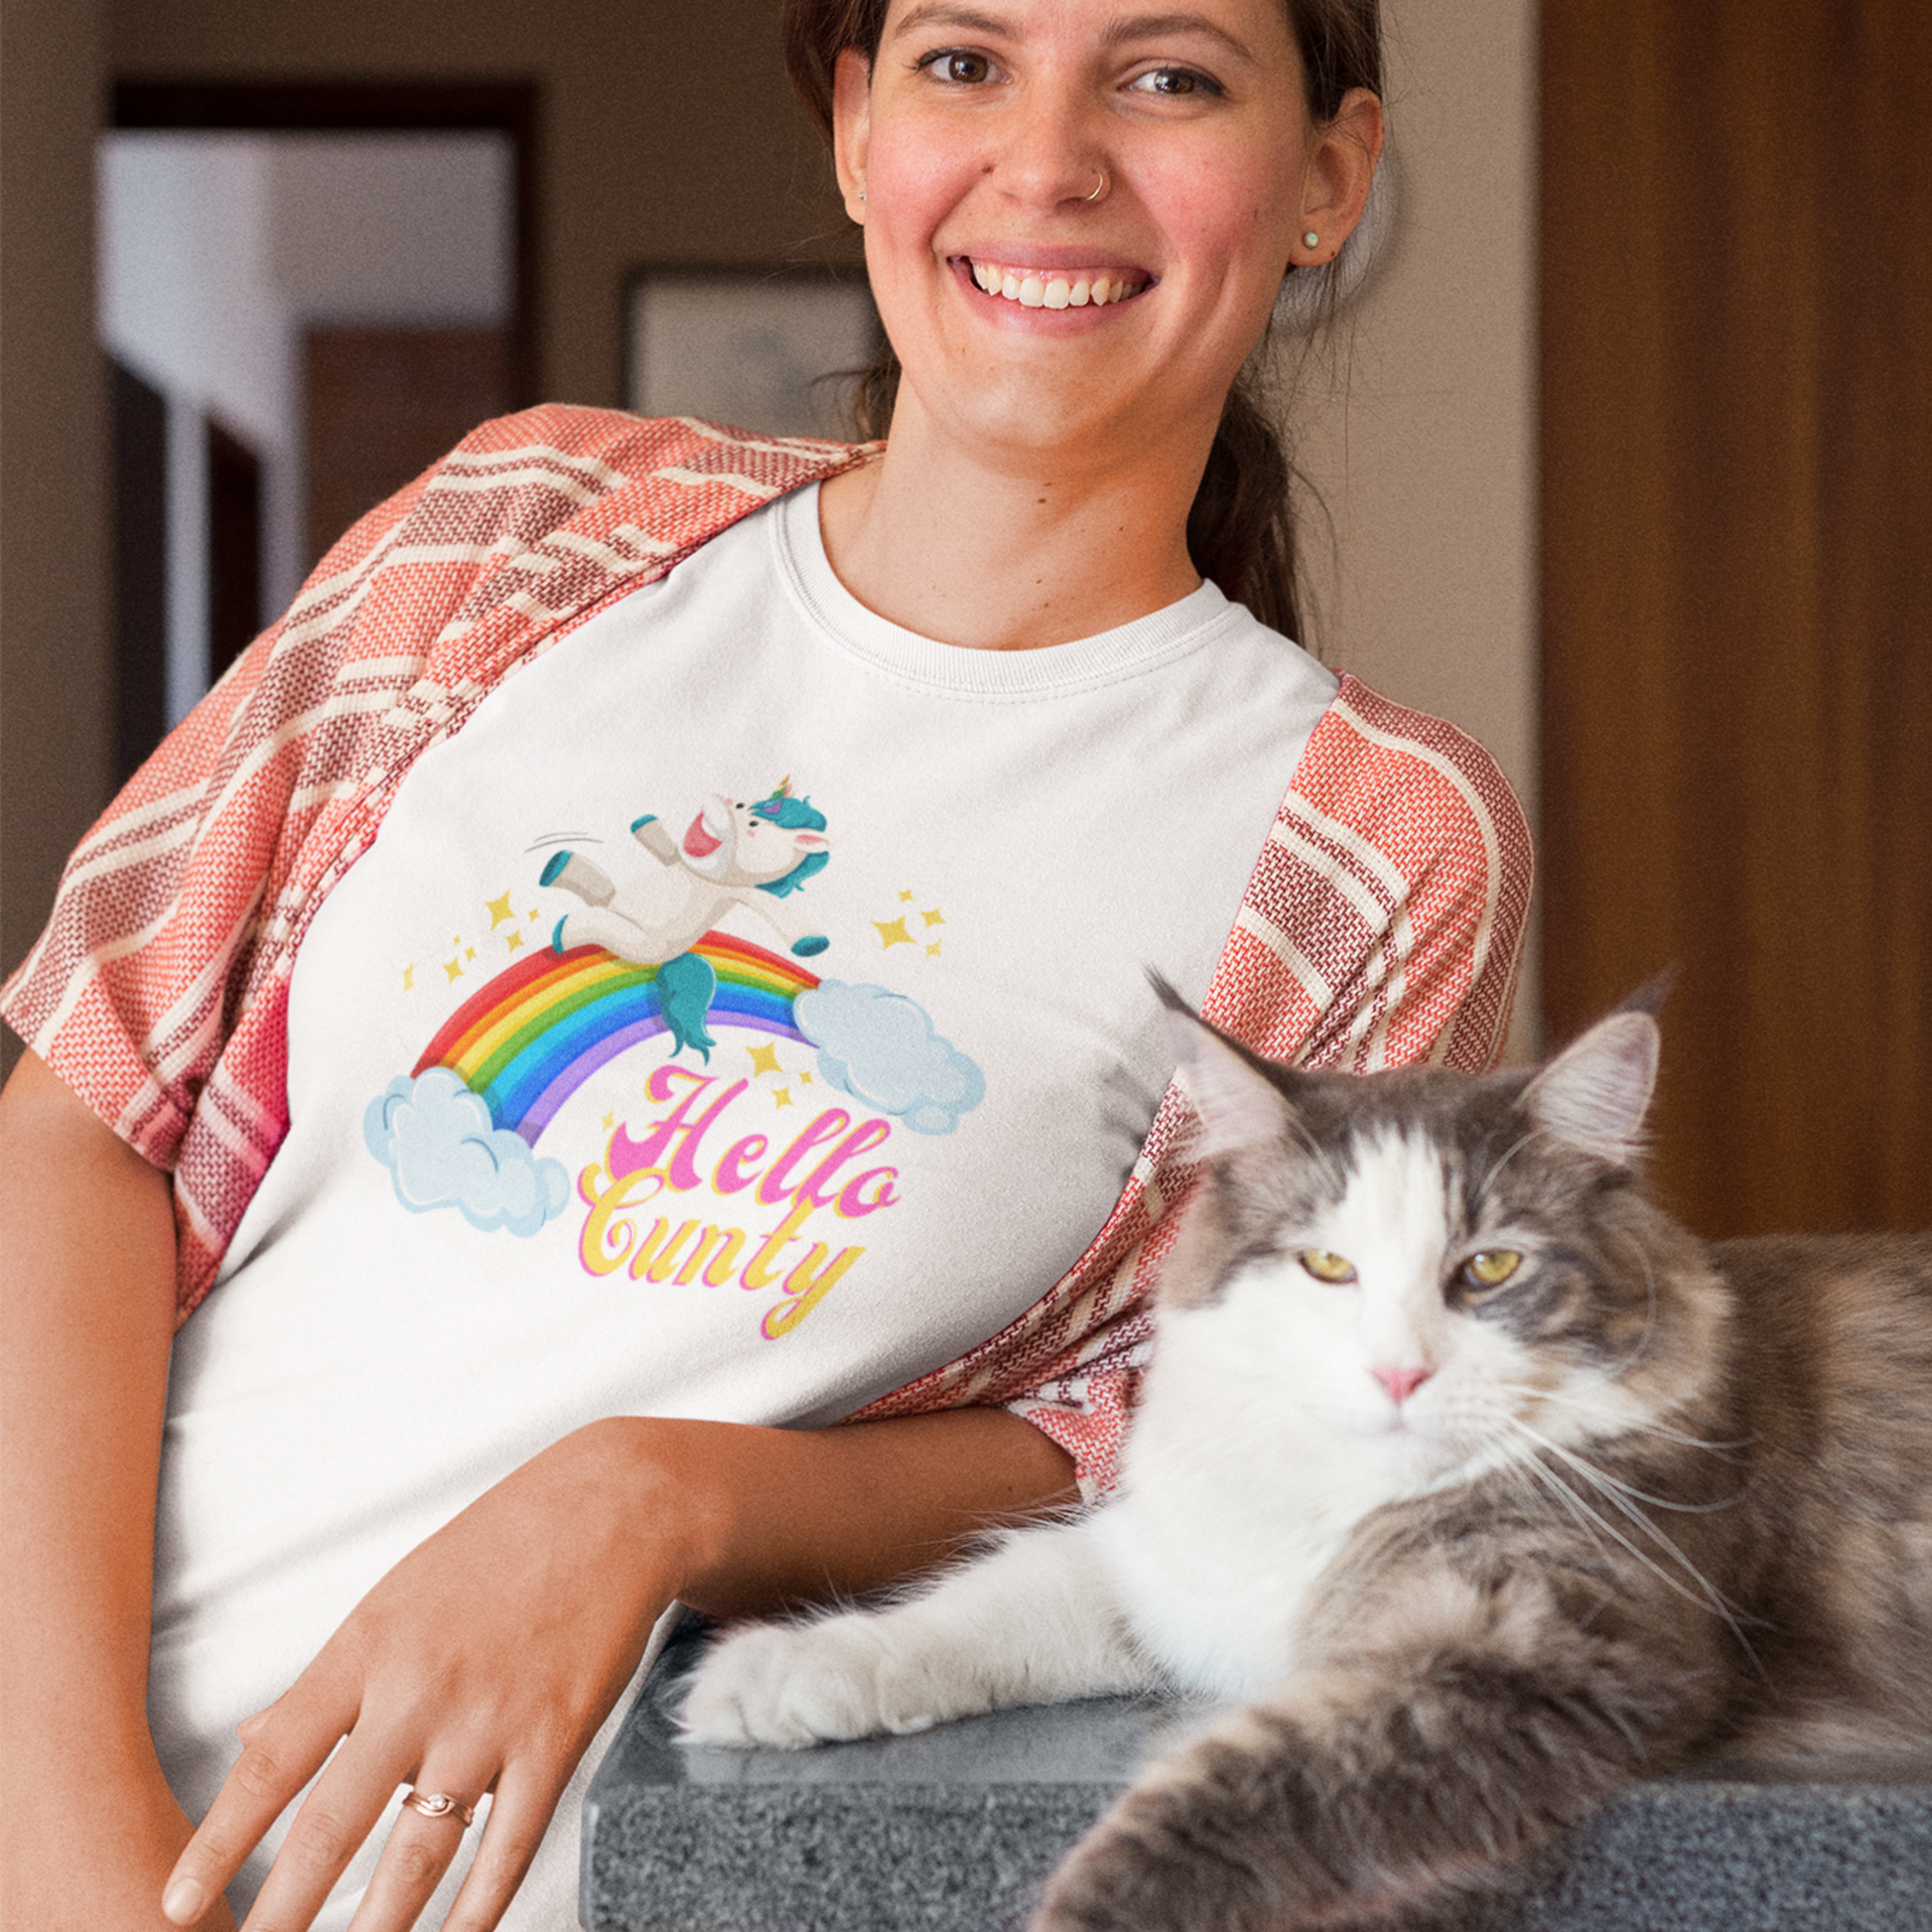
(761, 348)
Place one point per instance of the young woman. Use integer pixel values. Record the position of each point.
(737, 1025)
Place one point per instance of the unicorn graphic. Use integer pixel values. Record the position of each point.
(732, 854)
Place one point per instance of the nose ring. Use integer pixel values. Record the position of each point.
(1100, 186)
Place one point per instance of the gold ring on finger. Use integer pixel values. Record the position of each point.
(439, 1804)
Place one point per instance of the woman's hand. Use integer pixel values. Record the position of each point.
(483, 1662)
(486, 1660)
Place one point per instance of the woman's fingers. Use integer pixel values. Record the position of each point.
(282, 1750)
(335, 1821)
(423, 1844)
(518, 1812)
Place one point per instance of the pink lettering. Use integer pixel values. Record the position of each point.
(776, 1183)
(862, 1140)
(736, 1167)
(852, 1202)
(670, 1145)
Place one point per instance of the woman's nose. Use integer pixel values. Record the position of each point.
(1055, 150)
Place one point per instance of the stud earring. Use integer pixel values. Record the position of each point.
(1310, 240)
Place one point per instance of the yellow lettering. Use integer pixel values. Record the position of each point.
(763, 1267)
(726, 1242)
(660, 1269)
(605, 1242)
(805, 1288)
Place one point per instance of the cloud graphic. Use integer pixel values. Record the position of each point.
(435, 1138)
(881, 1048)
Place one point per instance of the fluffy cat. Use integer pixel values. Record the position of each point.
(1482, 1482)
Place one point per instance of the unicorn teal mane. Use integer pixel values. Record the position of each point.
(793, 815)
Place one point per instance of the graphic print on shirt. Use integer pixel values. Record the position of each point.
(732, 854)
(638, 962)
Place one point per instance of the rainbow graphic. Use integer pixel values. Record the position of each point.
(529, 1038)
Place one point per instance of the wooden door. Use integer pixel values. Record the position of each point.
(1738, 583)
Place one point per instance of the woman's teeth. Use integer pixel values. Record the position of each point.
(1034, 288)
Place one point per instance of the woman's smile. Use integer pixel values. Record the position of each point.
(1037, 287)
(1045, 178)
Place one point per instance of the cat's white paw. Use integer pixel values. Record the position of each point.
(793, 1685)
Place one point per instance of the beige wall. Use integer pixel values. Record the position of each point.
(1420, 433)
(55, 721)
(669, 132)
(669, 135)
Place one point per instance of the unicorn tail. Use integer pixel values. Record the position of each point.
(684, 989)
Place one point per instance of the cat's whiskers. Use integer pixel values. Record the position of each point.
(1623, 1422)
(1596, 1525)
(1602, 1480)
(1707, 1595)
(1517, 1461)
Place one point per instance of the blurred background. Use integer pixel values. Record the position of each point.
(1622, 455)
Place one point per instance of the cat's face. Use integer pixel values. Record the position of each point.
(1436, 1269)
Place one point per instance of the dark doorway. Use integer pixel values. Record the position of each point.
(235, 548)
(140, 429)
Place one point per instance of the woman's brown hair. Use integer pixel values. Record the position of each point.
(1241, 527)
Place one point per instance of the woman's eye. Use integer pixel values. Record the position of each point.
(965, 68)
(1491, 1269)
(1333, 1269)
(1176, 81)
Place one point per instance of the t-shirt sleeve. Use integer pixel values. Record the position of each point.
(1383, 926)
(130, 991)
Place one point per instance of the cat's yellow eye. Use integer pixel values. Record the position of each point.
(1491, 1267)
(1324, 1267)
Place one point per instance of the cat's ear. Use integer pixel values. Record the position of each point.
(1238, 1104)
(1594, 1094)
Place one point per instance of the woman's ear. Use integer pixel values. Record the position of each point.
(1335, 183)
(850, 127)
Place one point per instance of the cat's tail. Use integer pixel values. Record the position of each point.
(1354, 1794)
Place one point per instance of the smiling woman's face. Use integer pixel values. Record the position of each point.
(1008, 157)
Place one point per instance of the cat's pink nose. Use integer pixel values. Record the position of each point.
(1401, 1383)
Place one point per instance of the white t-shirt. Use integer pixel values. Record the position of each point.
(586, 1118)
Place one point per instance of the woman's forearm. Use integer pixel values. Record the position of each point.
(776, 1516)
(86, 1319)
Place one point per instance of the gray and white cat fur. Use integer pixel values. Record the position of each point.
(1478, 1481)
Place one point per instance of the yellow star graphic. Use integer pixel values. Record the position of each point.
(610, 1121)
(934, 917)
(932, 950)
(456, 938)
(511, 940)
(781, 1096)
(469, 952)
(498, 910)
(765, 1059)
(892, 932)
(454, 967)
(532, 913)
(905, 897)
(409, 976)
(805, 1079)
